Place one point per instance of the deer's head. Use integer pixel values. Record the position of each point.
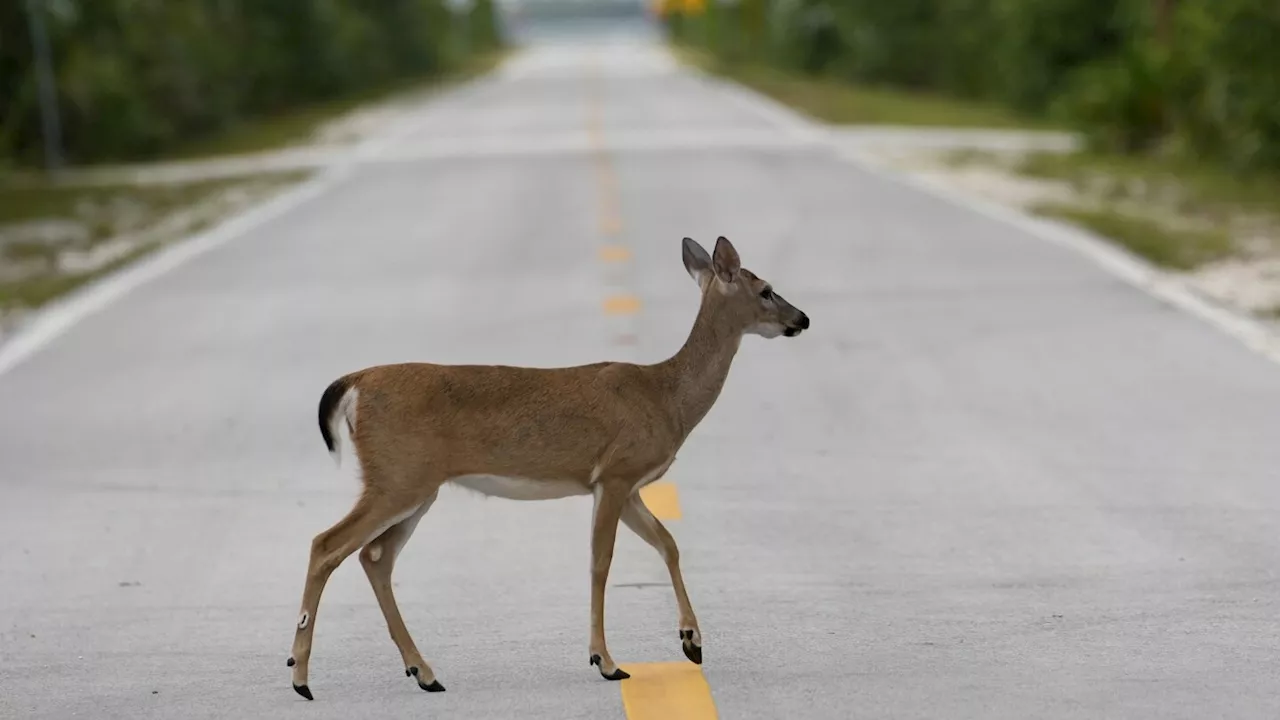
(738, 296)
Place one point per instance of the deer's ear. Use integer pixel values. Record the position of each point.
(696, 260)
(726, 262)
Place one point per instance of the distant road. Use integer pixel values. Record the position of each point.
(991, 482)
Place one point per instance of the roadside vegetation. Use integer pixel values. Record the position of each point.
(1176, 102)
(144, 84)
(844, 103)
(54, 239)
(140, 80)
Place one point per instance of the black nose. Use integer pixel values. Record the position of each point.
(804, 321)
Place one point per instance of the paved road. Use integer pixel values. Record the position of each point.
(991, 482)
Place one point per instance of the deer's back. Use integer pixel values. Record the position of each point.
(541, 423)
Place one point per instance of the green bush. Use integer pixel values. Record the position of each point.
(138, 77)
(1041, 43)
(1195, 76)
(1120, 102)
(1227, 90)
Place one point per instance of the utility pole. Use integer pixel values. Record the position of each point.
(51, 125)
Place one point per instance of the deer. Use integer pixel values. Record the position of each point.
(605, 429)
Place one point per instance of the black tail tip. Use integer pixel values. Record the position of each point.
(328, 404)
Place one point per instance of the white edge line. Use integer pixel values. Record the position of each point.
(51, 321)
(1103, 252)
(1116, 261)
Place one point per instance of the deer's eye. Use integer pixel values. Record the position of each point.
(767, 293)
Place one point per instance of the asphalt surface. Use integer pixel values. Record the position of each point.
(991, 481)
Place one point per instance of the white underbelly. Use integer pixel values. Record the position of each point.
(518, 488)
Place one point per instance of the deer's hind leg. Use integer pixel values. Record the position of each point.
(609, 501)
(372, 515)
(378, 559)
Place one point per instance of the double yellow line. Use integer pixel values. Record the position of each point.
(655, 691)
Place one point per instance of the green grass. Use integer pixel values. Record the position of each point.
(28, 250)
(1178, 214)
(260, 134)
(839, 102)
(35, 291)
(96, 209)
(92, 206)
(1168, 247)
(1210, 191)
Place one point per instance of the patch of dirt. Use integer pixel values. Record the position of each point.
(983, 173)
(1003, 186)
(1250, 284)
(41, 258)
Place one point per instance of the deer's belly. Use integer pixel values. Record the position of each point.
(518, 488)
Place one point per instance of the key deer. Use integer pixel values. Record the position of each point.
(606, 429)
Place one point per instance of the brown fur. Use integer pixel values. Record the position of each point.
(606, 426)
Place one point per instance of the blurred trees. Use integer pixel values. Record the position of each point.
(135, 77)
(1197, 77)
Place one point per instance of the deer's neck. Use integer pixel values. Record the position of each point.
(696, 373)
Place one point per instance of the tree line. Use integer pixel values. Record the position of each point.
(1196, 78)
(136, 78)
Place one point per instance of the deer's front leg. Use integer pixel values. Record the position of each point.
(642, 522)
(609, 501)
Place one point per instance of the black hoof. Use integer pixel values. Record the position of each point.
(618, 674)
(304, 691)
(691, 651)
(290, 662)
(435, 686)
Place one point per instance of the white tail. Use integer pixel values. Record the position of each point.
(604, 429)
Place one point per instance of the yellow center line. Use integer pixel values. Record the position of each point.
(615, 253)
(662, 499)
(610, 212)
(655, 691)
(610, 223)
(610, 219)
(621, 305)
(667, 691)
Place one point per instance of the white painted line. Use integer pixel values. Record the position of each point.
(55, 319)
(1107, 255)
